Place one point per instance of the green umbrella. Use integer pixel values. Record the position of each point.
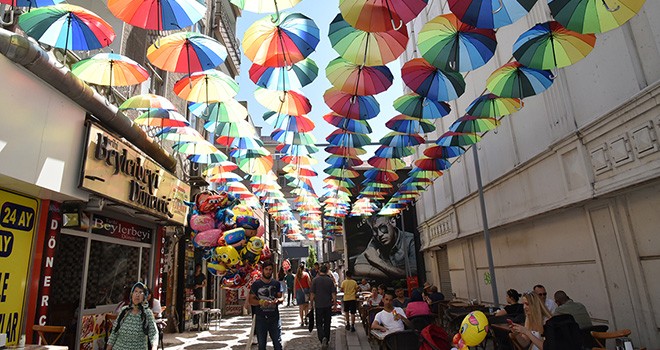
(491, 105)
(471, 124)
(594, 16)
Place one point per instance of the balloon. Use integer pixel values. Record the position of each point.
(235, 238)
(266, 254)
(249, 222)
(252, 251)
(216, 268)
(207, 201)
(250, 233)
(456, 338)
(242, 210)
(232, 282)
(474, 328)
(202, 222)
(208, 238)
(228, 255)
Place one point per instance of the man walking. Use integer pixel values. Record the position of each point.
(289, 278)
(350, 289)
(265, 296)
(323, 296)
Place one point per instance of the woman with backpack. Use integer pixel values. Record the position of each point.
(531, 334)
(135, 327)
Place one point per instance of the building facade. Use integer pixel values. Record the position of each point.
(571, 183)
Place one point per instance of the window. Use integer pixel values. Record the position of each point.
(113, 268)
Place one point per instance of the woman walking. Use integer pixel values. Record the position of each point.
(301, 283)
(135, 327)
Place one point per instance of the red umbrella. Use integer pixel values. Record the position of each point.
(351, 106)
(380, 15)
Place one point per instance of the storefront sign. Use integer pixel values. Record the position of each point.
(50, 244)
(102, 225)
(115, 169)
(18, 217)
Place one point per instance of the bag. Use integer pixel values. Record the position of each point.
(562, 333)
(434, 337)
(310, 320)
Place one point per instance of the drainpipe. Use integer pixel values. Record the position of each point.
(29, 55)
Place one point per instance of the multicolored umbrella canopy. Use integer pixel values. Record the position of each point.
(341, 172)
(515, 80)
(292, 123)
(427, 80)
(549, 45)
(421, 107)
(394, 152)
(158, 14)
(410, 125)
(256, 166)
(345, 151)
(452, 138)
(283, 102)
(30, 3)
(351, 106)
(110, 69)
(397, 139)
(444, 151)
(161, 118)
(386, 163)
(179, 134)
(147, 101)
(343, 161)
(285, 78)
(449, 44)
(357, 79)
(293, 137)
(230, 111)
(491, 105)
(381, 175)
(594, 16)
(380, 15)
(206, 86)
(472, 124)
(490, 13)
(67, 27)
(354, 125)
(282, 43)
(365, 48)
(343, 138)
(265, 6)
(187, 52)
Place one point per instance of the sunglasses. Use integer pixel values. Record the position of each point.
(382, 228)
(542, 294)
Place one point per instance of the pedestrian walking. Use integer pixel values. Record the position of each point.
(350, 289)
(301, 284)
(323, 295)
(289, 279)
(135, 327)
(265, 296)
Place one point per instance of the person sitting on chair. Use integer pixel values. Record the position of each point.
(390, 319)
(567, 306)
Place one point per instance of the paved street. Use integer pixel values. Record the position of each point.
(232, 332)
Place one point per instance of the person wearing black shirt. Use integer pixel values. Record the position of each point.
(199, 282)
(265, 296)
(323, 296)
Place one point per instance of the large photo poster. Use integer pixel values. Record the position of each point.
(381, 248)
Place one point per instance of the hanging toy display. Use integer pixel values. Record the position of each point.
(227, 231)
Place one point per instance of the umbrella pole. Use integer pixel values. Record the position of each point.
(484, 219)
(66, 41)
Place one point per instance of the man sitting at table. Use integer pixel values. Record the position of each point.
(567, 306)
(391, 318)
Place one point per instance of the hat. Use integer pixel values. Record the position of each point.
(427, 285)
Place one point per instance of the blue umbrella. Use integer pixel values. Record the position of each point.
(348, 124)
(285, 78)
(490, 13)
(421, 107)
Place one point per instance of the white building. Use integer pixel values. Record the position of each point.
(572, 182)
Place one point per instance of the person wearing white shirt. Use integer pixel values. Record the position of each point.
(543, 295)
(391, 319)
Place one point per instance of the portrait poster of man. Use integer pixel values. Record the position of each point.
(378, 248)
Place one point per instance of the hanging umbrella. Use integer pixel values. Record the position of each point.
(549, 45)
(490, 13)
(344, 161)
(179, 134)
(285, 78)
(210, 158)
(354, 125)
(265, 6)
(380, 15)
(206, 86)
(256, 166)
(67, 27)
(249, 153)
(219, 168)
(386, 163)
(225, 177)
(240, 144)
(147, 101)
(226, 111)
(158, 14)
(394, 152)
(515, 80)
(347, 183)
(161, 118)
(594, 16)
(410, 125)
(451, 138)
(449, 44)
(348, 151)
(364, 48)
(110, 69)
(30, 3)
(187, 52)
(282, 43)
(421, 107)
(472, 124)
(357, 79)
(284, 102)
(201, 147)
(341, 172)
(397, 139)
(343, 138)
(429, 81)
(381, 175)
(351, 106)
(432, 163)
(300, 160)
(444, 151)
(236, 129)
(293, 137)
(296, 149)
(491, 105)
(297, 123)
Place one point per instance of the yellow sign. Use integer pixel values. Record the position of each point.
(18, 220)
(114, 169)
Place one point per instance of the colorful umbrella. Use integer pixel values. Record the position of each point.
(357, 79)
(451, 138)
(206, 86)
(285, 78)
(380, 15)
(158, 14)
(219, 112)
(219, 168)
(491, 105)
(296, 123)
(397, 139)
(515, 80)
(364, 48)
(444, 151)
(345, 151)
(354, 125)
(341, 172)
(472, 124)
(293, 137)
(449, 44)
(180, 134)
(161, 118)
(147, 101)
(381, 175)
(351, 106)
(284, 102)
(343, 138)
(549, 45)
(256, 166)
(429, 81)
(110, 69)
(296, 149)
(432, 163)
(187, 52)
(490, 13)
(265, 6)
(386, 163)
(343, 161)
(394, 152)
(287, 41)
(421, 107)
(410, 125)
(30, 3)
(594, 16)
(67, 27)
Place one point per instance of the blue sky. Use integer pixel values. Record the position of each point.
(322, 12)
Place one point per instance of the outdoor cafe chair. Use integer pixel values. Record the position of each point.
(403, 340)
(56, 331)
(588, 341)
(420, 322)
(601, 337)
